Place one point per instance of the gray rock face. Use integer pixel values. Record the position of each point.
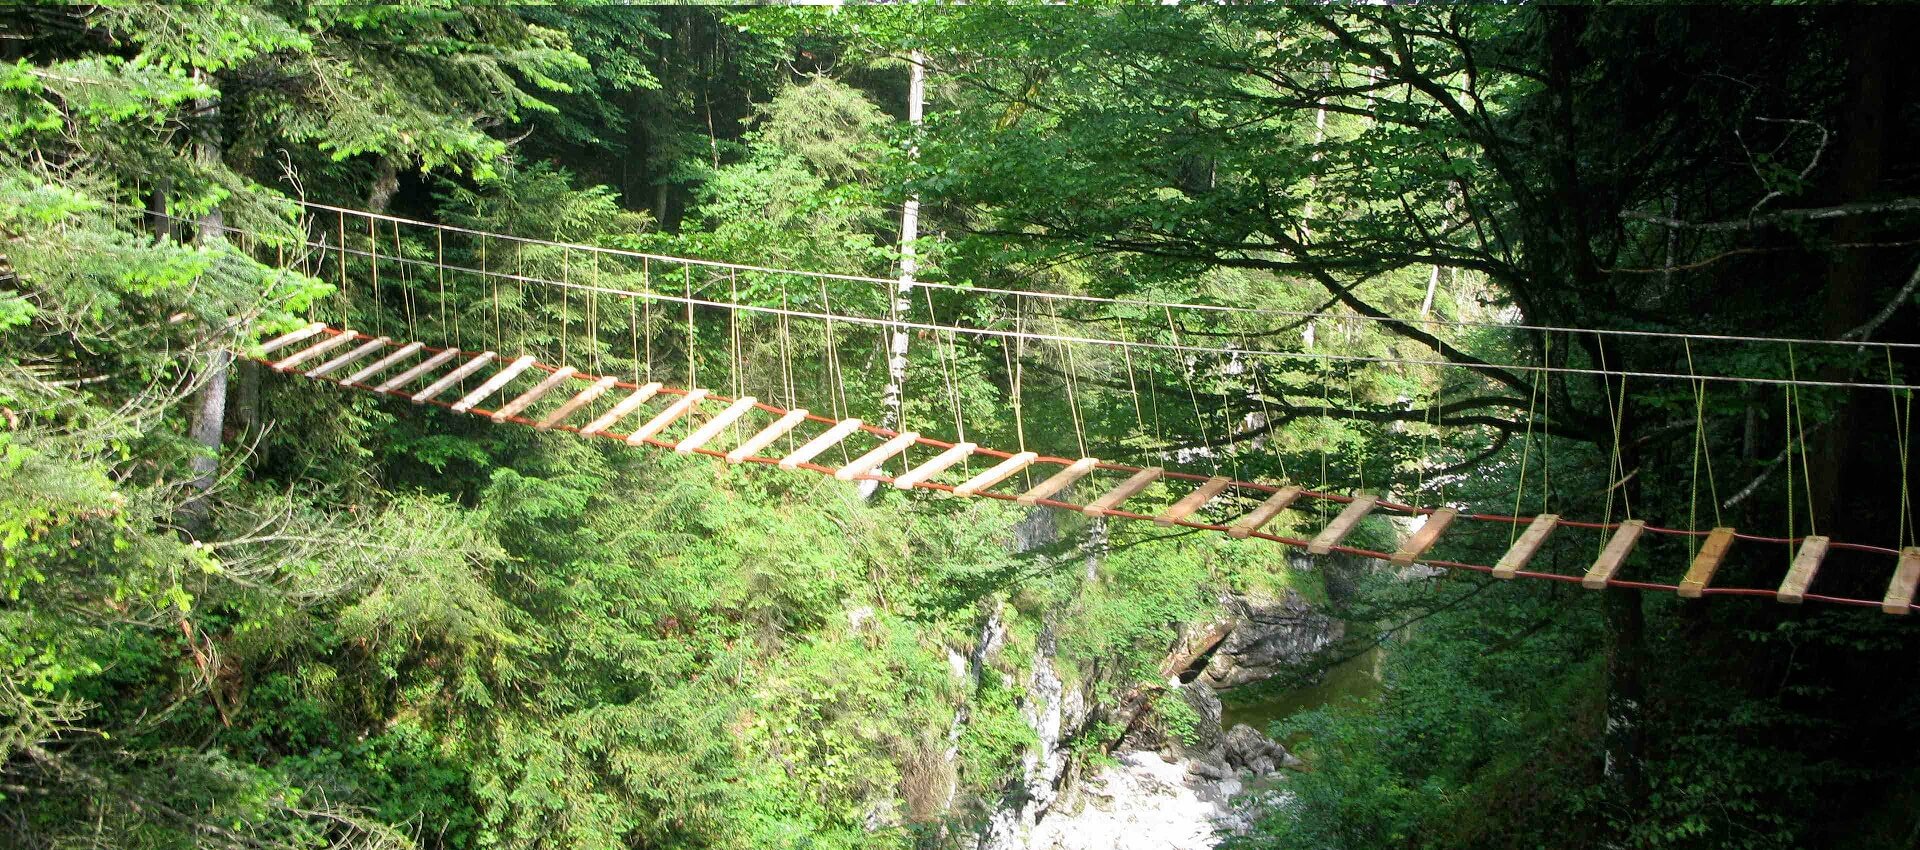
(1268, 637)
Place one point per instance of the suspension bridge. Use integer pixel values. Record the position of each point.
(570, 387)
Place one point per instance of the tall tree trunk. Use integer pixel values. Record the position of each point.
(894, 395)
(1850, 280)
(208, 417)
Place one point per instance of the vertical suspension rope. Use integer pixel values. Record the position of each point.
(340, 253)
(1797, 425)
(593, 315)
(733, 332)
(693, 361)
(1186, 374)
(1546, 430)
(493, 282)
(1073, 400)
(784, 341)
(1903, 440)
(1019, 370)
(1259, 392)
(949, 357)
(440, 266)
(566, 298)
(1526, 453)
(406, 286)
(646, 310)
(373, 265)
(1700, 418)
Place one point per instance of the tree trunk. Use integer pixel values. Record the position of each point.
(208, 417)
(1850, 280)
(386, 182)
(1625, 736)
(893, 396)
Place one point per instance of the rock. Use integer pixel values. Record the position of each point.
(1245, 748)
(1268, 637)
(1142, 802)
(1210, 767)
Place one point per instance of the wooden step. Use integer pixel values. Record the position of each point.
(1526, 546)
(319, 348)
(573, 405)
(358, 352)
(378, 366)
(1806, 563)
(1281, 499)
(533, 394)
(740, 407)
(1127, 490)
(1706, 562)
(1193, 501)
(666, 417)
(940, 463)
(1906, 576)
(765, 438)
(493, 384)
(619, 411)
(1424, 539)
(880, 454)
(290, 337)
(812, 448)
(1058, 481)
(1000, 472)
(413, 374)
(479, 362)
(1613, 555)
(1343, 524)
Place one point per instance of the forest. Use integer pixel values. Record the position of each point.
(1514, 292)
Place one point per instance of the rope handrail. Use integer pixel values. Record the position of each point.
(1115, 343)
(1129, 302)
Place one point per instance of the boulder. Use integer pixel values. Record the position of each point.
(1245, 748)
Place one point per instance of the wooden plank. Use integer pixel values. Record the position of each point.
(493, 384)
(290, 337)
(1806, 563)
(421, 368)
(322, 347)
(619, 411)
(359, 351)
(940, 463)
(1424, 539)
(1000, 472)
(573, 405)
(1526, 546)
(378, 366)
(1706, 562)
(661, 420)
(1906, 576)
(1245, 526)
(812, 448)
(1127, 490)
(1058, 481)
(766, 437)
(880, 454)
(740, 407)
(1616, 552)
(526, 399)
(459, 373)
(1193, 500)
(1343, 524)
